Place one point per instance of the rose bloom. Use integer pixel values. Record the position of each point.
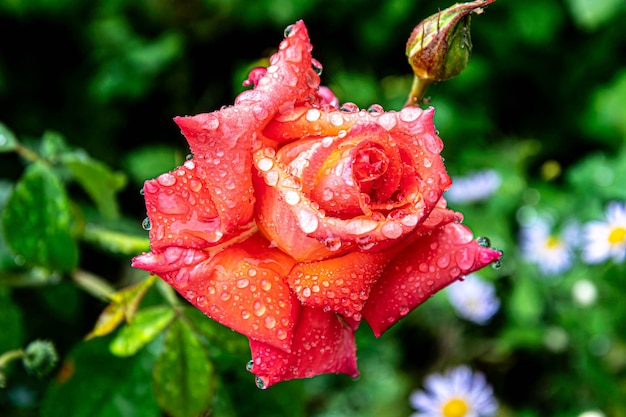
(298, 218)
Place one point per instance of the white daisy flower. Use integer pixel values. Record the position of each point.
(476, 186)
(457, 393)
(606, 239)
(474, 299)
(552, 253)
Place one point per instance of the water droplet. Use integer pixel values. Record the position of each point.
(281, 334)
(317, 67)
(306, 292)
(166, 179)
(307, 220)
(387, 121)
(250, 365)
(349, 107)
(270, 322)
(260, 112)
(142, 191)
(264, 164)
(195, 185)
(242, 283)
(260, 383)
(410, 114)
(313, 115)
(403, 310)
(336, 119)
(292, 197)
(443, 261)
(375, 109)
(259, 308)
(289, 30)
(391, 230)
(225, 296)
(483, 241)
(266, 285)
(245, 314)
(333, 243)
(146, 224)
(189, 157)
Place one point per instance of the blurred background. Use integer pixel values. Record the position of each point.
(535, 138)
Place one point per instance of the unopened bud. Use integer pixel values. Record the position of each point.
(440, 46)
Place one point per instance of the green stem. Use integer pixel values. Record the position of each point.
(418, 90)
(26, 153)
(9, 356)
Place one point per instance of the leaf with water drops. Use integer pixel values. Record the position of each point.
(98, 180)
(37, 220)
(183, 379)
(8, 142)
(144, 327)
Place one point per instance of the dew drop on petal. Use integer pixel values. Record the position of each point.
(250, 365)
(333, 243)
(260, 382)
(313, 115)
(270, 322)
(349, 107)
(410, 114)
(243, 283)
(387, 121)
(403, 310)
(264, 164)
(146, 224)
(391, 230)
(281, 334)
(289, 30)
(245, 314)
(166, 180)
(292, 197)
(259, 308)
(483, 241)
(308, 221)
(317, 67)
(375, 109)
(195, 185)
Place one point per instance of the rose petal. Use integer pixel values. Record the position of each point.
(241, 287)
(322, 344)
(422, 269)
(210, 197)
(340, 284)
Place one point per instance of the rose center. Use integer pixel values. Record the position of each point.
(456, 407)
(369, 165)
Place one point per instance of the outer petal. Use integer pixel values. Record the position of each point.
(422, 269)
(241, 287)
(340, 284)
(322, 344)
(209, 198)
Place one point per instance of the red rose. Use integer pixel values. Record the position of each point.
(296, 219)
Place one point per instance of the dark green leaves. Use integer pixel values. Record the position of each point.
(183, 376)
(93, 383)
(37, 220)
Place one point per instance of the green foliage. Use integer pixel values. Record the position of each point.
(87, 93)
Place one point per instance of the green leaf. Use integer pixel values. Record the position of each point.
(53, 146)
(98, 180)
(37, 220)
(94, 383)
(145, 326)
(8, 142)
(116, 241)
(12, 334)
(183, 376)
(124, 305)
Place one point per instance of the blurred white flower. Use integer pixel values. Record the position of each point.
(457, 393)
(584, 292)
(552, 253)
(606, 239)
(476, 186)
(592, 413)
(474, 299)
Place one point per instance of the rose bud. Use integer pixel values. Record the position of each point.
(440, 46)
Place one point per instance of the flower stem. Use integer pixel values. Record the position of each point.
(9, 356)
(418, 90)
